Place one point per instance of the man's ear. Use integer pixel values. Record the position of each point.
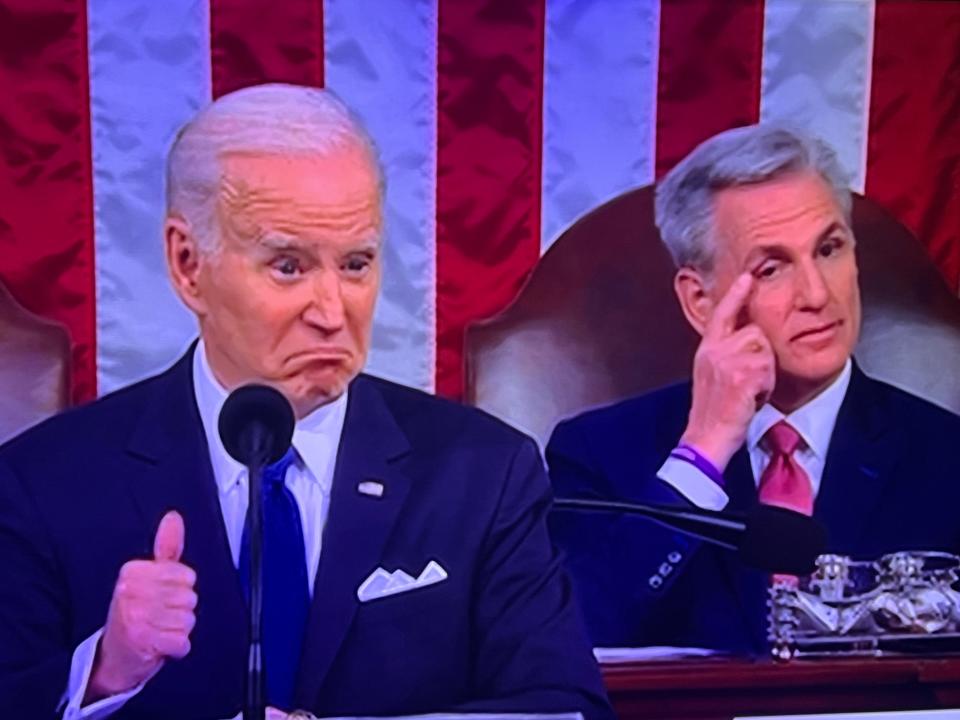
(183, 262)
(696, 303)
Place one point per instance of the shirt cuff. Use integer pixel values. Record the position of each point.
(80, 668)
(691, 482)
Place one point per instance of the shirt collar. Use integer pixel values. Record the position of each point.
(315, 436)
(814, 421)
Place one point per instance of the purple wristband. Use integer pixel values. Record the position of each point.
(690, 454)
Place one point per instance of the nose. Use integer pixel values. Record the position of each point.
(812, 292)
(326, 309)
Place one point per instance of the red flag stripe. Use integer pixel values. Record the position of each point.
(913, 159)
(257, 41)
(46, 186)
(489, 134)
(709, 76)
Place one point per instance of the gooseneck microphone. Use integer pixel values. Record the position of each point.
(767, 537)
(256, 427)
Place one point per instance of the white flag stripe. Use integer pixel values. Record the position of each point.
(599, 116)
(860, 179)
(381, 59)
(816, 73)
(149, 72)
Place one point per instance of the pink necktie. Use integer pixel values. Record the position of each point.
(784, 482)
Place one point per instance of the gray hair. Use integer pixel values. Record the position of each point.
(269, 119)
(683, 207)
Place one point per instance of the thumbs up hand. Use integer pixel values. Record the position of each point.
(151, 616)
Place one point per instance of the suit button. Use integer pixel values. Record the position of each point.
(655, 581)
(674, 557)
(666, 569)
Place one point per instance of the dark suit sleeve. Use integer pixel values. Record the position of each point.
(624, 568)
(572, 469)
(35, 652)
(531, 650)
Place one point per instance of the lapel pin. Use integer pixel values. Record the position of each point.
(371, 488)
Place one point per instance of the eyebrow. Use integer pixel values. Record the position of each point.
(278, 242)
(831, 229)
(764, 250)
(285, 243)
(369, 245)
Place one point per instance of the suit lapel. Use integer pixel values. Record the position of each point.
(857, 465)
(357, 528)
(747, 586)
(738, 482)
(169, 446)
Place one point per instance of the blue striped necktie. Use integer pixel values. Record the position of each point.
(286, 594)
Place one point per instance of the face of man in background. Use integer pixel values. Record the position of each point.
(288, 298)
(792, 237)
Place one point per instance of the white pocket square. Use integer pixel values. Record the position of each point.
(383, 584)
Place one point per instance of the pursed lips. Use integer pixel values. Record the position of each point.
(819, 330)
(323, 354)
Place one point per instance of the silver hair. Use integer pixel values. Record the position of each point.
(265, 119)
(683, 207)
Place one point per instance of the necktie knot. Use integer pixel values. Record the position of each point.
(275, 473)
(783, 481)
(782, 439)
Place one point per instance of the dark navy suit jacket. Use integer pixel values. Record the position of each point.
(83, 493)
(891, 482)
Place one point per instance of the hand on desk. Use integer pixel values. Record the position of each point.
(733, 375)
(151, 616)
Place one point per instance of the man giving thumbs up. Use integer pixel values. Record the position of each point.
(151, 615)
(273, 236)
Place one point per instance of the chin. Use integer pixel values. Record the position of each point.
(818, 369)
(308, 396)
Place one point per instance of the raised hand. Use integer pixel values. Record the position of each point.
(151, 615)
(734, 371)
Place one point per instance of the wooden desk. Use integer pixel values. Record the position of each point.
(723, 688)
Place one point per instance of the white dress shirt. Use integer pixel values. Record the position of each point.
(316, 439)
(814, 422)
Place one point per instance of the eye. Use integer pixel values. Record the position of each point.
(286, 266)
(357, 264)
(768, 270)
(830, 247)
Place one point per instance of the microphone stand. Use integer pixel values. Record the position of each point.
(768, 538)
(254, 707)
(719, 528)
(256, 423)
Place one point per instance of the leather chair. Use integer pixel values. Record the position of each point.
(598, 320)
(34, 367)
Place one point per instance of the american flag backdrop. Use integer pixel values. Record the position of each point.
(499, 123)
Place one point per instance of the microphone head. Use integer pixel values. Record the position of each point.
(256, 425)
(782, 541)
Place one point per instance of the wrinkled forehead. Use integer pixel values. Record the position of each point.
(336, 192)
(792, 209)
(330, 178)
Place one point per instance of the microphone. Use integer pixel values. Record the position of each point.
(256, 427)
(767, 537)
